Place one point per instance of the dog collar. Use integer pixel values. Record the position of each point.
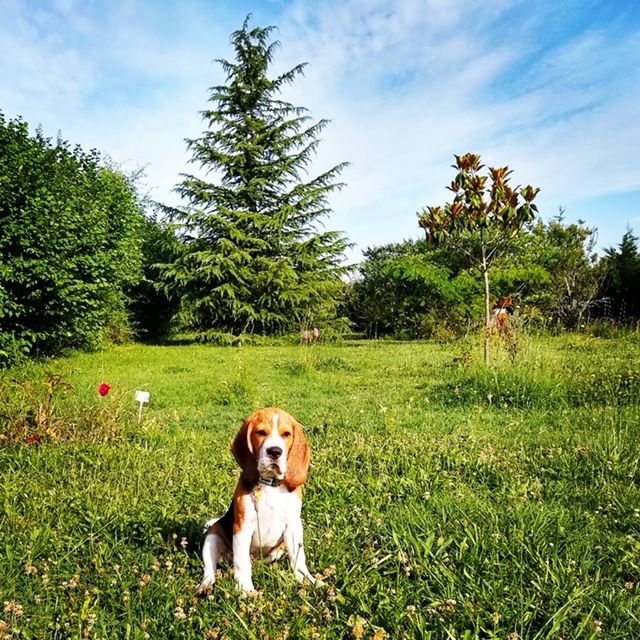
(270, 482)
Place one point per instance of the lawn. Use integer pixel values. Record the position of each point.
(445, 499)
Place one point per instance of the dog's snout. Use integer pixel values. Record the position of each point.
(274, 452)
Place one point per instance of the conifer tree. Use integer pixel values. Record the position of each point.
(622, 282)
(254, 257)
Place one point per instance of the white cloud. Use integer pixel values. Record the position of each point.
(36, 66)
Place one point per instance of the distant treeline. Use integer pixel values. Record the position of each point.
(82, 261)
(552, 273)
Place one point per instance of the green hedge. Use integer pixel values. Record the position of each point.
(69, 245)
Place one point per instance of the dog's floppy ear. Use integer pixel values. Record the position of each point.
(298, 459)
(242, 451)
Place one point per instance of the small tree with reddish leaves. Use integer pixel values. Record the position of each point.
(486, 209)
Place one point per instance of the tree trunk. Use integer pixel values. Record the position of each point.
(487, 306)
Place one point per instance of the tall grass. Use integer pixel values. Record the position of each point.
(446, 499)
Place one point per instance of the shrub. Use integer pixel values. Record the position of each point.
(69, 244)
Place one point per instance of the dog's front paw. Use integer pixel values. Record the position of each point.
(247, 588)
(304, 577)
(245, 584)
(207, 584)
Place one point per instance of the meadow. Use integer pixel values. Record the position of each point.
(446, 499)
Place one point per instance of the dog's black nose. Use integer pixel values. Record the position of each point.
(274, 452)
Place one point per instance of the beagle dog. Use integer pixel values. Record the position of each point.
(263, 519)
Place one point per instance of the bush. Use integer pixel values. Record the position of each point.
(152, 311)
(69, 244)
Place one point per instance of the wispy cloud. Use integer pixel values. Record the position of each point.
(562, 111)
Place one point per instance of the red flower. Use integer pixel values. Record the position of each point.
(103, 389)
(34, 439)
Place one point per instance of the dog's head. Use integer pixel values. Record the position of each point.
(271, 444)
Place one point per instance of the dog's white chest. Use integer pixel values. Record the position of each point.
(274, 508)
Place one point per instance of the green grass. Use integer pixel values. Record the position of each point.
(445, 500)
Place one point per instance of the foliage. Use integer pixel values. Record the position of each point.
(553, 272)
(567, 253)
(621, 288)
(374, 297)
(494, 213)
(445, 499)
(69, 244)
(410, 290)
(252, 258)
(550, 270)
(152, 311)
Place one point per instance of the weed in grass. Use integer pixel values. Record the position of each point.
(334, 363)
(49, 411)
(304, 363)
(309, 361)
(238, 388)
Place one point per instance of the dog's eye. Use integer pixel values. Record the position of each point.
(261, 432)
(286, 434)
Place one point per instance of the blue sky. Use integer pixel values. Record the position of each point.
(550, 88)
